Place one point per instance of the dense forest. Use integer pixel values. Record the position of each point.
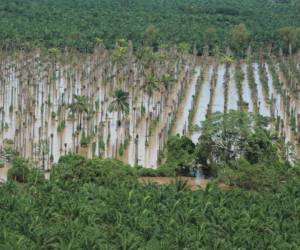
(81, 24)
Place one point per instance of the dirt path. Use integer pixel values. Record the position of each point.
(192, 183)
(3, 174)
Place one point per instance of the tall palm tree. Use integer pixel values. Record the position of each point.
(120, 103)
(150, 86)
(79, 106)
(167, 81)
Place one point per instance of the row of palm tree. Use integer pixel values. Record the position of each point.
(105, 99)
(76, 90)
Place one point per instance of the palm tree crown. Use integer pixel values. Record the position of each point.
(151, 85)
(80, 104)
(120, 102)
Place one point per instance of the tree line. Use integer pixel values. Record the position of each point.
(217, 24)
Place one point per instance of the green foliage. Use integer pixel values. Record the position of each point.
(98, 204)
(8, 153)
(290, 37)
(239, 78)
(53, 115)
(54, 52)
(85, 140)
(119, 54)
(80, 104)
(210, 37)
(162, 171)
(261, 147)
(74, 170)
(226, 137)
(239, 37)
(151, 36)
(120, 103)
(61, 126)
(21, 171)
(84, 25)
(167, 82)
(257, 177)
(143, 110)
(179, 156)
(151, 85)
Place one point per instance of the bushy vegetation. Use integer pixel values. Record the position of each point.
(84, 24)
(237, 134)
(237, 148)
(99, 204)
(179, 159)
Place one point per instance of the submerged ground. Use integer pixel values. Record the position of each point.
(50, 108)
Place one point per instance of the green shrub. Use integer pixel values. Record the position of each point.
(23, 171)
(19, 171)
(85, 140)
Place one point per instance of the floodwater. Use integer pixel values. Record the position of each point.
(264, 108)
(150, 136)
(218, 98)
(277, 100)
(36, 98)
(246, 90)
(289, 104)
(203, 102)
(181, 125)
(37, 119)
(232, 92)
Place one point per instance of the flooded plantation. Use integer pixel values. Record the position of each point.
(120, 105)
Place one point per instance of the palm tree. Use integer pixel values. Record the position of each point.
(120, 103)
(79, 106)
(167, 82)
(150, 86)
